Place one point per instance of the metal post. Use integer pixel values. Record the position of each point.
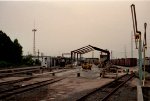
(111, 55)
(80, 57)
(74, 57)
(125, 52)
(140, 59)
(144, 65)
(145, 47)
(77, 58)
(54, 62)
(38, 54)
(71, 57)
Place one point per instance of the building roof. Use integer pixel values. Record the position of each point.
(89, 48)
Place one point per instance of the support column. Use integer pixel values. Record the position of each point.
(140, 59)
(144, 67)
(77, 59)
(80, 57)
(71, 56)
(74, 57)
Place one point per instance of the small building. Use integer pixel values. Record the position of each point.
(48, 61)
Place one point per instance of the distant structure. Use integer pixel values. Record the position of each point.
(34, 30)
(63, 54)
(125, 52)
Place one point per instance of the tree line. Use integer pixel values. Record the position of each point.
(11, 52)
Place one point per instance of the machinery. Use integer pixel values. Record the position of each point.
(86, 66)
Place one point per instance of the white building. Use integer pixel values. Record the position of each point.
(47, 61)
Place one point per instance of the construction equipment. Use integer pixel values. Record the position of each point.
(86, 66)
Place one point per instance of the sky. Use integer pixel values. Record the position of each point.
(66, 25)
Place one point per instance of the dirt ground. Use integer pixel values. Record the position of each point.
(73, 88)
(69, 89)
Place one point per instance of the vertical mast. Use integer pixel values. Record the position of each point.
(34, 30)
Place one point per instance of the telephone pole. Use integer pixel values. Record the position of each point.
(125, 52)
(38, 54)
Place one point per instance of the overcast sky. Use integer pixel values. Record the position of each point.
(63, 26)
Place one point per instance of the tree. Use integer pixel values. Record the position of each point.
(10, 52)
(17, 52)
(28, 60)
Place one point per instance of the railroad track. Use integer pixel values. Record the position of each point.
(12, 84)
(16, 81)
(10, 88)
(29, 70)
(10, 72)
(27, 78)
(20, 89)
(106, 91)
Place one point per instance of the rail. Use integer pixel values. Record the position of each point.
(10, 92)
(104, 92)
(9, 72)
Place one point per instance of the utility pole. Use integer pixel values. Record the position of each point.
(34, 30)
(125, 52)
(38, 54)
(111, 54)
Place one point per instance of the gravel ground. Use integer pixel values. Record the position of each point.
(127, 92)
(69, 89)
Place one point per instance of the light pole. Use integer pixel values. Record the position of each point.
(34, 52)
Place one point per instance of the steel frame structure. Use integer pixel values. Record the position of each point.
(87, 49)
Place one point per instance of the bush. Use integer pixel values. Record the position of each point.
(37, 62)
(28, 60)
(5, 64)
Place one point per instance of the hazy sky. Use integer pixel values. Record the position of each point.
(63, 26)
